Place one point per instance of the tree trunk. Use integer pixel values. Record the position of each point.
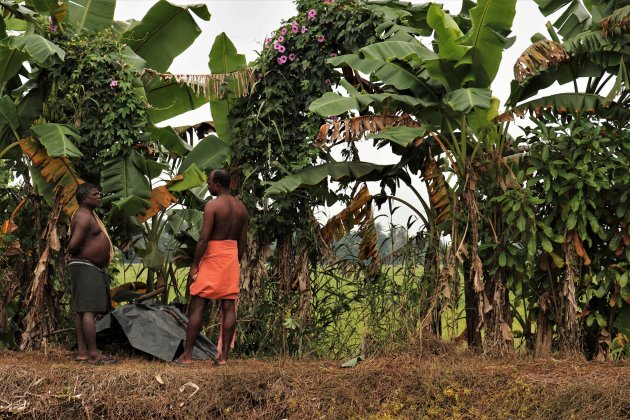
(568, 323)
(40, 302)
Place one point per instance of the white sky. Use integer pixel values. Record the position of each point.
(247, 22)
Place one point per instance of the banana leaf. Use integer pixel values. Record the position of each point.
(165, 32)
(56, 139)
(43, 52)
(210, 153)
(335, 104)
(338, 171)
(91, 15)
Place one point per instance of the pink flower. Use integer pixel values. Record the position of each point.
(321, 38)
(283, 31)
(294, 29)
(113, 83)
(304, 29)
(281, 49)
(282, 59)
(276, 46)
(280, 38)
(329, 1)
(267, 41)
(291, 57)
(327, 82)
(52, 27)
(311, 14)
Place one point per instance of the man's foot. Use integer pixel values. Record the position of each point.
(219, 362)
(81, 358)
(180, 362)
(103, 361)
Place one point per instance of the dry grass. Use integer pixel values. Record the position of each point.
(435, 382)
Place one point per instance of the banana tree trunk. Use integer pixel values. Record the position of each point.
(568, 324)
(40, 302)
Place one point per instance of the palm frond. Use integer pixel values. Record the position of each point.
(539, 57)
(58, 171)
(353, 129)
(212, 86)
(340, 224)
(438, 190)
(616, 24)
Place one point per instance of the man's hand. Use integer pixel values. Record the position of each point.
(194, 271)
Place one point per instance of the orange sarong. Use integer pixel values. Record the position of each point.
(219, 278)
(219, 273)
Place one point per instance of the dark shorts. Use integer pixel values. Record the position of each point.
(90, 288)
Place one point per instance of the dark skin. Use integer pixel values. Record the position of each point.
(88, 243)
(224, 218)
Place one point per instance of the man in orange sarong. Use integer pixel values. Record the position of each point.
(215, 271)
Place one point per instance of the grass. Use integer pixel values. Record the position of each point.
(425, 379)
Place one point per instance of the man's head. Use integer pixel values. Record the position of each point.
(89, 195)
(218, 181)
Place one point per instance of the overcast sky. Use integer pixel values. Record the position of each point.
(247, 22)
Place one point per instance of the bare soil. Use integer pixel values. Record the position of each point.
(419, 382)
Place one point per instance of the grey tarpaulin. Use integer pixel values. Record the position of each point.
(156, 329)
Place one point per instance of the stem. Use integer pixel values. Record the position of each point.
(391, 197)
(9, 147)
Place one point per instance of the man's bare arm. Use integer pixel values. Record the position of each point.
(242, 240)
(204, 235)
(80, 227)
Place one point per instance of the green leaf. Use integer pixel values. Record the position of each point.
(8, 115)
(360, 171)
(210, 153)
(193, 177)
(153, 257)
(122, 180)
(169, 99)
(521, 223)
(164, 33)
(448, 34)
(91, 15)
(353, 362)
(169, 139)
(56, 139)
(335, 104)
(413, 52)
(502, 259)
(43, 52)
(571, 221)
(224, 59)
(400, 135)
(464, 100)
(491, 23)
(10, 64)
(546, 244)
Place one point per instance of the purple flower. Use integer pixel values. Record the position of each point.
(282, 59)
(304, 29)
(281, 49)
(276, 46)
(321, 38)
(113, 83)
(291, 57)
(267, 41)
(52, 27)
(280, 38)
(294, 29)
(311, 14)
(283, 31)
(327, 82)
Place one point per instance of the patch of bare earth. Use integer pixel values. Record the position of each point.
(409, 384)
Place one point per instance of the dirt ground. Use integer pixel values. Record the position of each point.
(413, 383)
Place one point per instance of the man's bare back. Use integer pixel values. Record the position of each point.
(229, 216)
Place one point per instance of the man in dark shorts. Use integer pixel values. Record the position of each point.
(215, 271)
(90, 251)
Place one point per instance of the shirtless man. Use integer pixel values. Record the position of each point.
(90, 251)
(215, 271)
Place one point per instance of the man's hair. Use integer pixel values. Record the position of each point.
(83, 190)
(221, 177)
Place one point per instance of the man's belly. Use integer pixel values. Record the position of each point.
(95, 250)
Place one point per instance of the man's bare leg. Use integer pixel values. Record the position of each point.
(78, 328)
(195, 317)
(88, 324)
(228, 327)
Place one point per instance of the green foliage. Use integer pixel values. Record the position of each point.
(95, 89)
